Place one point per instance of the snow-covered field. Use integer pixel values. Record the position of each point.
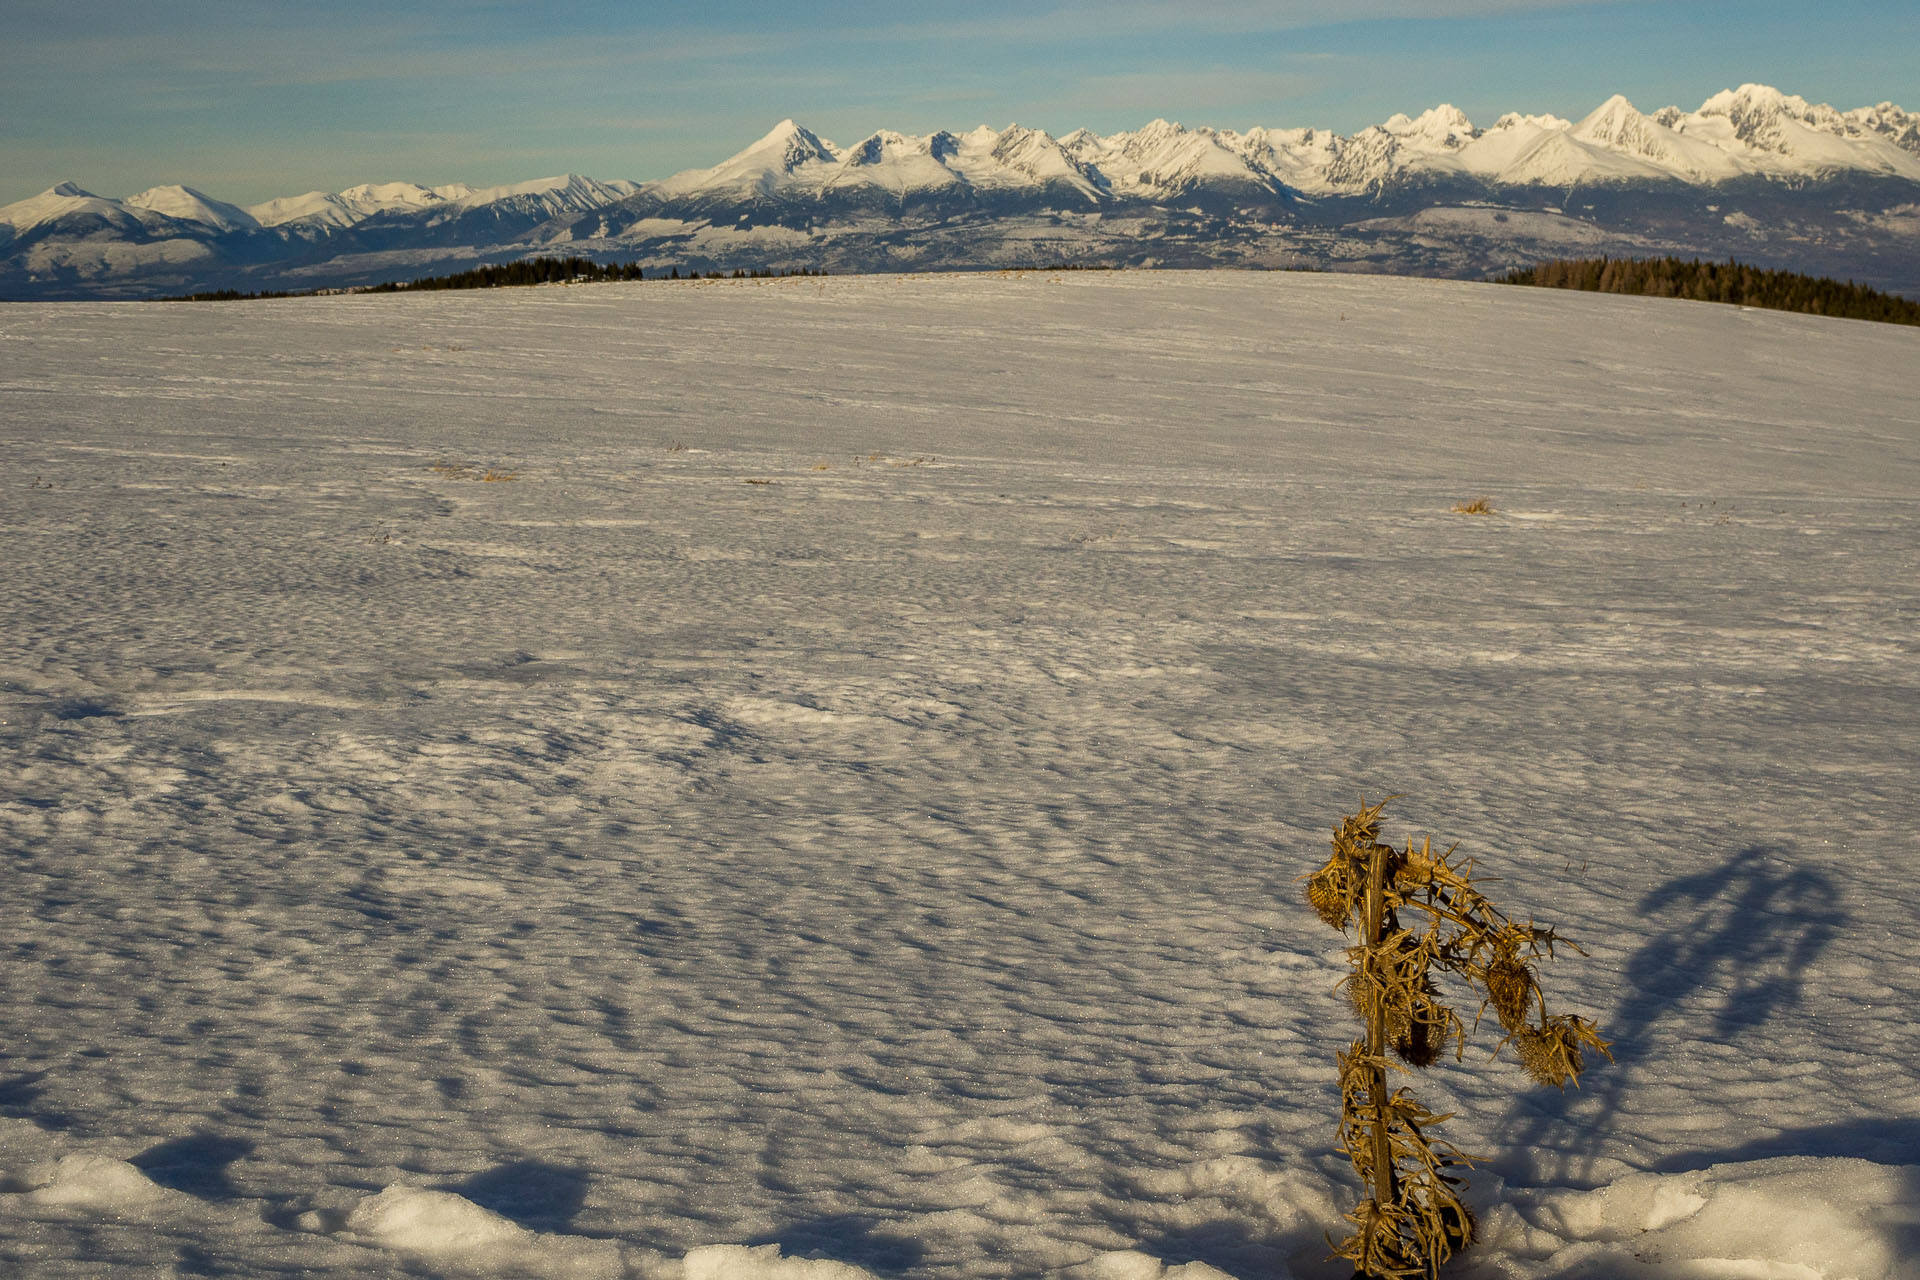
(831, 806)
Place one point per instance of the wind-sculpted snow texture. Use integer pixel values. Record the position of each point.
(1754, 173)
(863, 840)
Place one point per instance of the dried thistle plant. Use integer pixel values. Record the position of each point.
(1414, 1219)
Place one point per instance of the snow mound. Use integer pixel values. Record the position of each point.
(92, 1181)
(461, 1234)
(421, 1221)
(1791, 1218)
(1140, 1266)
(763, 1262)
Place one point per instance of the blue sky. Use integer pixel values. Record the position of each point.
(249, 99)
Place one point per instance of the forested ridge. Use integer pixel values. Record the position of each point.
(528, 271)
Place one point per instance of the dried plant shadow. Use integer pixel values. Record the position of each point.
(855, 1239)
(532, 1193)
(1750, 927)
(196, 1164)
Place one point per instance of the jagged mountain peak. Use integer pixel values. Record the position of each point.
(1758, 114)
(1444, 127)
(1157, 132)
(1900, 127)
(1018, 140)
(567, 191)
(1784, 134)
(1619, 122)
(1614, 110)
(1753, 97)
(1518, 120)
(793, 144)
(882, 143)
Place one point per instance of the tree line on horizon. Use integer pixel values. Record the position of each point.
(528, 271)
(1730, 282)
(572, 270)
(1669, 277)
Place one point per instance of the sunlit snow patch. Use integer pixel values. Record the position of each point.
(1793, 1218)
(91, 1181)
(458, 1233)
(763, 1262)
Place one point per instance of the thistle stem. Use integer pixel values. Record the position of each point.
(1373, 922)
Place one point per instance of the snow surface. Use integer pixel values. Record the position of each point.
(835, 810)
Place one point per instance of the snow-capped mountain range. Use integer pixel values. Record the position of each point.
(1751, 131)
(1752, 169)
(171, 208)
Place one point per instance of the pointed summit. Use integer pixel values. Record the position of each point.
(1620, 130)
(1616, 108)
(793, 143)
(1617, 122)
(785, 153)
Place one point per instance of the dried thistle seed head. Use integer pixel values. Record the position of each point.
(1360, 996)
(1551, 1054)
(1510, 987)
(1327, 894)
(1364, 995)
(1426, 1033)
(1537, 1053)
(1419, 1045)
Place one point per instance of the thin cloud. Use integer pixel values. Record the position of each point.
(1142, 18)
(1199, 89)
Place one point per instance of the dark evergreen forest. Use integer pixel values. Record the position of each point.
(529, 271)
(1732, 282)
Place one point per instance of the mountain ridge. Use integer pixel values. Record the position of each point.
(1800, 173)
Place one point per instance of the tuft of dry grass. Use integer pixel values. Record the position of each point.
(1477, 507)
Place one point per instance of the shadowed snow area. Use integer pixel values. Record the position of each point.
(806, 779)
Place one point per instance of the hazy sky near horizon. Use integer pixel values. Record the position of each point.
(250, 99)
